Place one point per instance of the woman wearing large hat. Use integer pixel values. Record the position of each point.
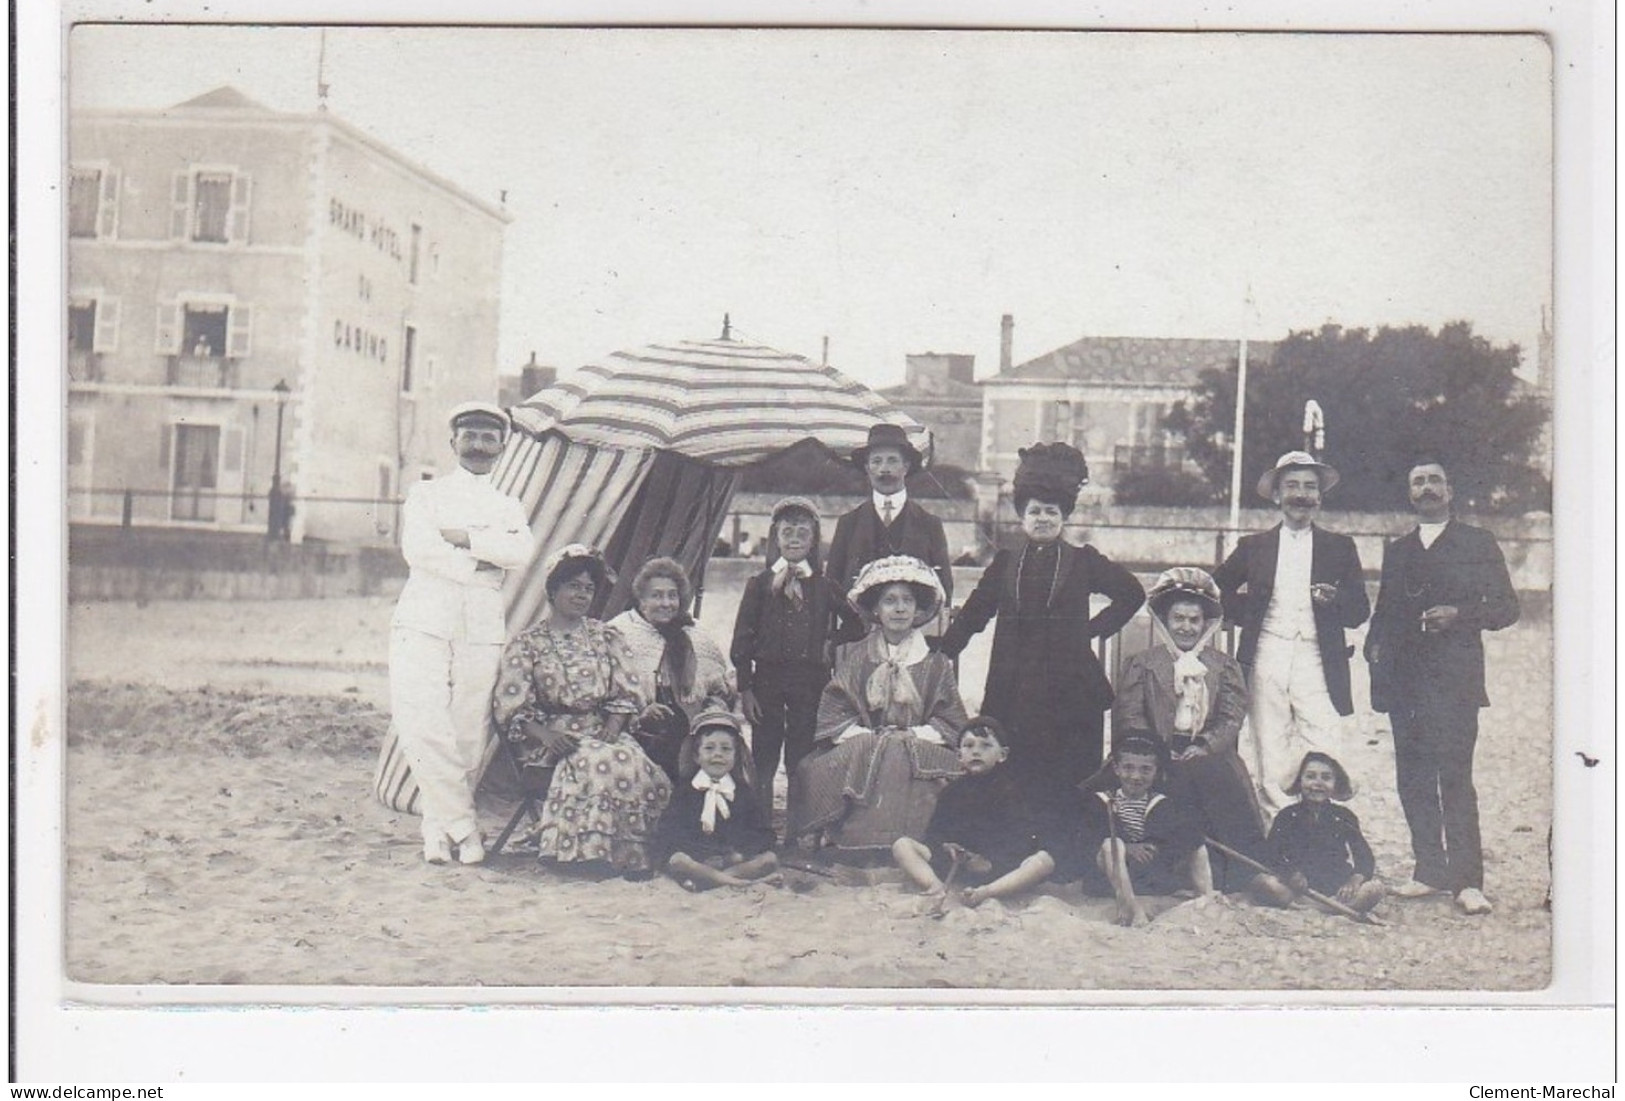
(888, 723)
(1192, 698)
(1045, 683)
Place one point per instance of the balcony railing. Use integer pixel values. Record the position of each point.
(202, 372)
(1147, 457)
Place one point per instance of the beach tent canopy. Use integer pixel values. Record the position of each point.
(639, 453)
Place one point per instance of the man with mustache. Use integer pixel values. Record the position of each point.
(1295, 590)
(1443, 584)
(459, 535)
(889, 523)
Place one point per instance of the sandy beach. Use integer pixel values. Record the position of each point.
(221, 830)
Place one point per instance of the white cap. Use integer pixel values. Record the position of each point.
(481, 408)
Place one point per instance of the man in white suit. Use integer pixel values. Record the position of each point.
(460, 535)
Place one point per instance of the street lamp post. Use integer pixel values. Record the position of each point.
(277, 513)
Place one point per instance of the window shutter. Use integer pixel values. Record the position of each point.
(242, 190)
(105, 338)
(231, 451)
(108, 224)
(239, 320)
(180, 205)
(169, 329)
(164, 434)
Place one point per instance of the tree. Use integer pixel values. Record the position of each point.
(1389, 398)
(1161, 486)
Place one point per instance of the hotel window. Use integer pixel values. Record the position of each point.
(93, 325)
(412, 264)
(408, 357)
(210, 205)
(204, 341)
(92, 202)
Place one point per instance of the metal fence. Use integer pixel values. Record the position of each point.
(372, 520)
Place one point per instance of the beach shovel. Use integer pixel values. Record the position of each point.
(1315, 896)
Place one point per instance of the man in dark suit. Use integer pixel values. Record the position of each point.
(1294, 589)
(1443, 584)
(888, 523)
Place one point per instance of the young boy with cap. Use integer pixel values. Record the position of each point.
(459, 535)
(790, 617)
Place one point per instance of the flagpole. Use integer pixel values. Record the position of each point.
(1235, 448)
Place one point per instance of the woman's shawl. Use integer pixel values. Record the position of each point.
(715, 683)
(845, 700)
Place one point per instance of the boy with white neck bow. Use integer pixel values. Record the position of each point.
(790, 618)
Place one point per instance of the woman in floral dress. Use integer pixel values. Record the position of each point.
(564, 697)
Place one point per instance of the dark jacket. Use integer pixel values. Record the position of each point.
(759, 628)
(1464, 568)
(742, 832)
(1146, 702)
(1247, 581)
(1076, 679)
(860, 538)
(1324, 843)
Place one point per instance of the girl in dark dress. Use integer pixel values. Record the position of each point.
(712, 833)
(1316, 844)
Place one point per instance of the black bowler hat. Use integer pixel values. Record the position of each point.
(886, 434)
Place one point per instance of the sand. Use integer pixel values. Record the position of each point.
(221, 830)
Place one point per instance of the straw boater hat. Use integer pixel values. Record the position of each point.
(478, 411)
(901, 567)
(886, 434)
(1051, 472)
(1266, 484)
(1185, 583)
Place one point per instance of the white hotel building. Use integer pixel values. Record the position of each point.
(233, 268)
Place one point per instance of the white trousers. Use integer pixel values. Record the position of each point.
(1290, 713)
(440, 700)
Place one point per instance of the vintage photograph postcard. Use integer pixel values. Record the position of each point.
(807, 514)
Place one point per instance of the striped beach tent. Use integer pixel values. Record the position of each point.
(639, 454)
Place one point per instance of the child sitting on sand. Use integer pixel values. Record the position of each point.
(711, 834)
(1141, 840)
(1317, 845)
(981, 824)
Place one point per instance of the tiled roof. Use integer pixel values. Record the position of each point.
(939, 389)
(224, 97)
(1143, 361)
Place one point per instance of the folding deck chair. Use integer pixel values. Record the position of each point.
(531, 782)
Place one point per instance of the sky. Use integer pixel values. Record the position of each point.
(898, 191)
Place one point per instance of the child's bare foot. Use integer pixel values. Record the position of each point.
(1138, 917)
(973, 897)
(932, 904)
(772, 879)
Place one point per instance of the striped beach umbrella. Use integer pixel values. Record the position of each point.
(720, 401)
(639, 453)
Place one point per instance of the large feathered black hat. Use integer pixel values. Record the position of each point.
(1051, 472)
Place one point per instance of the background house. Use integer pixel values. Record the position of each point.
(255, 294)
(1107, 396)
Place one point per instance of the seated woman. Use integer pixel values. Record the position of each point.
(887, 722)
(680, 670)
(564, 696)
(1192, 698)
